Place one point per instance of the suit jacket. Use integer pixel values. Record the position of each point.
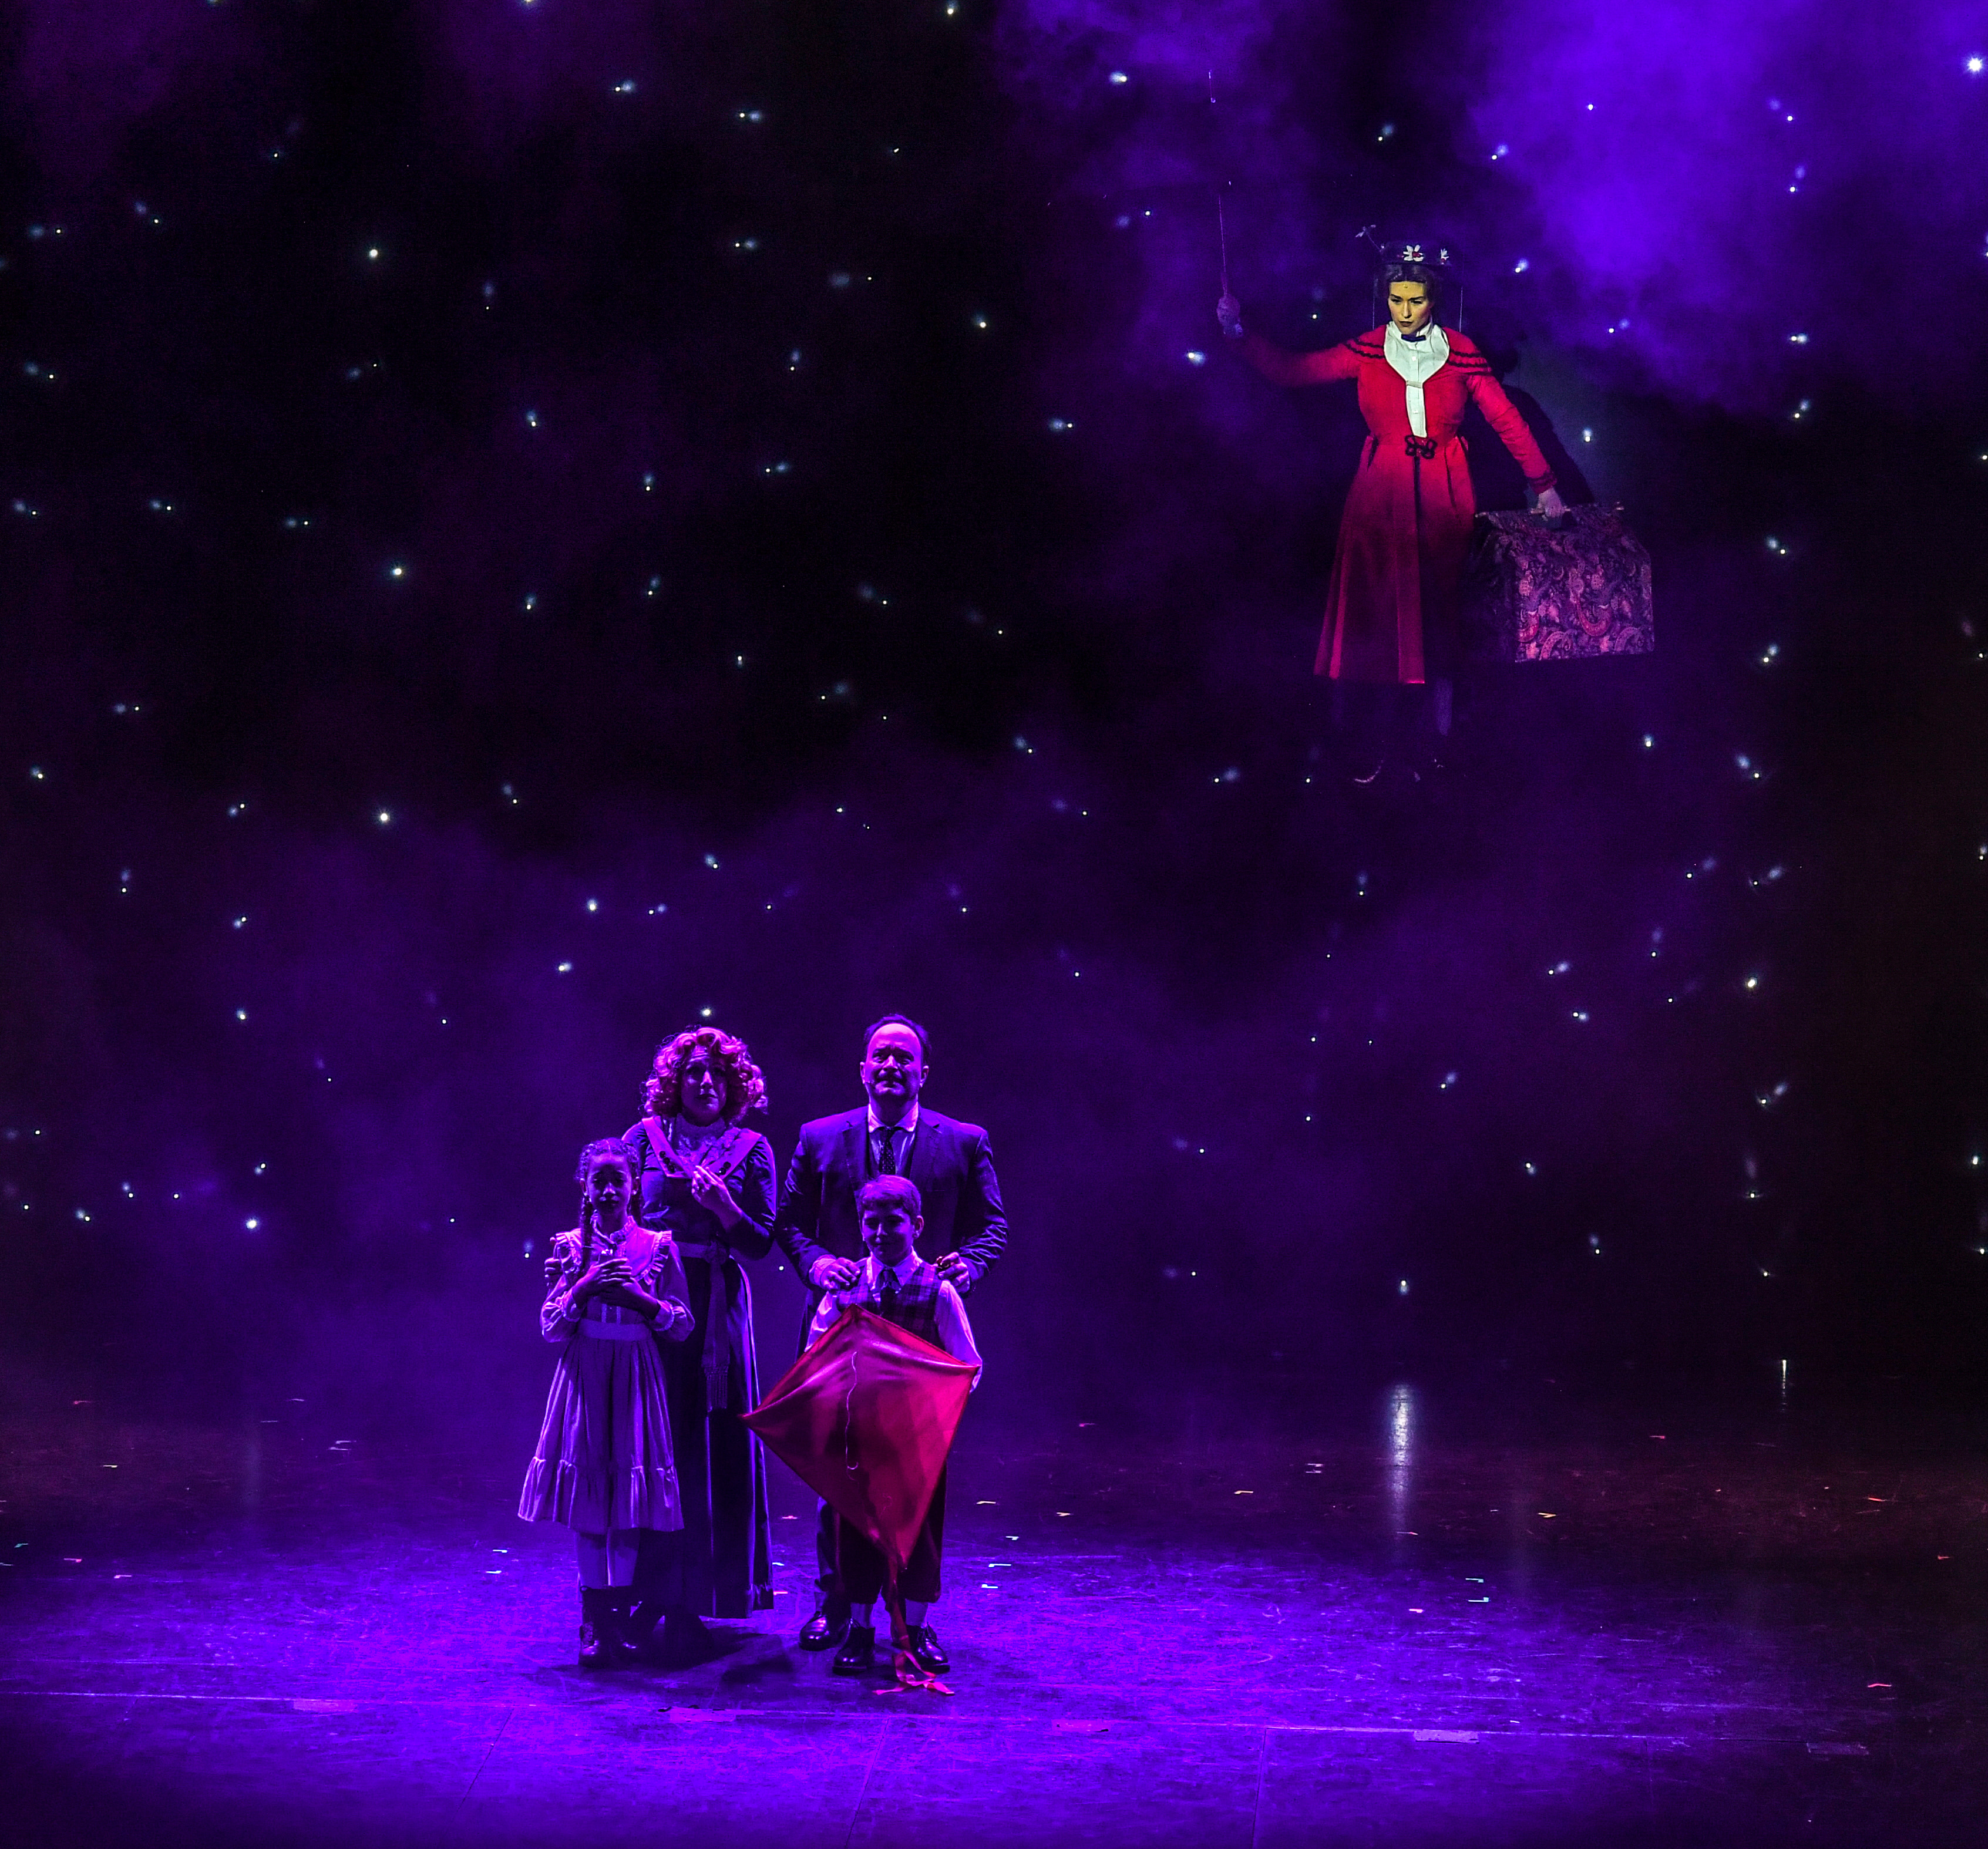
(950, 1162)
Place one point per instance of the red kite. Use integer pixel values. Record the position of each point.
(865, 1419)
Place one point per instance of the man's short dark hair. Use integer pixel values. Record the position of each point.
(892, 1188)
(898, 1020)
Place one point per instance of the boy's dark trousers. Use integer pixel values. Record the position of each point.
(862, 1570)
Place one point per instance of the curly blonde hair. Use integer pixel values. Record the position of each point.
(745, 1090)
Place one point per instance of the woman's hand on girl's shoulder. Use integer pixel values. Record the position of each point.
(565, 1251)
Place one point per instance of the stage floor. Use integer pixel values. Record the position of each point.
(1755, 1628)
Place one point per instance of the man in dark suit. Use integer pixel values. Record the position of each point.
(966, 1230)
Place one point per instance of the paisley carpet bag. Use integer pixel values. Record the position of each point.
(1534, 594)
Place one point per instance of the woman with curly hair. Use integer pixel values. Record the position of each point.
(707, 1180)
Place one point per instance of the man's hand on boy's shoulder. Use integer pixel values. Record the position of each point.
(828, 1273)
(958, 1270)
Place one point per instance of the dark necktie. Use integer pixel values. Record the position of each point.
(886, 1150)
(890, 1291)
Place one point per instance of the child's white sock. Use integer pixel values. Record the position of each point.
(865, 1615)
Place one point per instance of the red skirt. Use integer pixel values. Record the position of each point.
(1392, 613)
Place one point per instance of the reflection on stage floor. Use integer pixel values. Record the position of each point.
(1423, 1627)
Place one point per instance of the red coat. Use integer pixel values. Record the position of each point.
(1406, 529)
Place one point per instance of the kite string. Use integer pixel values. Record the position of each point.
(849, 1419)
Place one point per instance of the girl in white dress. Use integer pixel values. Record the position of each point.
(603, 1465)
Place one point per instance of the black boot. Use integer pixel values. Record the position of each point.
(600, 1632)
(620, 1611)
(639, 1625)
(686, 1640)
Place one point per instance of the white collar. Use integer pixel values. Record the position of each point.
(908, 1122)
(1417, 362)
(874, 1267)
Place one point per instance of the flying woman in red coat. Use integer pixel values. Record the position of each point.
(1391, 617)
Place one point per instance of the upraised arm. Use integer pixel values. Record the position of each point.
(1280, 365)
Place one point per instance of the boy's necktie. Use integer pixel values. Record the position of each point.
(890, 1304)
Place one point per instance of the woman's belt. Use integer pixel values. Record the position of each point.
(717, 1319)
(602, 1331)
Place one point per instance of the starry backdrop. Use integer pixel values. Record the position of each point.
(528, 525)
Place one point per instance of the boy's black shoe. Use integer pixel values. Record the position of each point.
(826, 1629)
(928, 1650)
(858, 1653)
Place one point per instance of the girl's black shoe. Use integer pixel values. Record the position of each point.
(600, 1632)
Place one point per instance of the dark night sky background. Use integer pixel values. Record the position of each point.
(525, 522)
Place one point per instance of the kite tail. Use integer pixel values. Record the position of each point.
(910, 1676)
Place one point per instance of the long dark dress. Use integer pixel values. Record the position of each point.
(721, 1565)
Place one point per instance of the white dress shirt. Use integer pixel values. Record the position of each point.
(956, 1333)
(906, 1127)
